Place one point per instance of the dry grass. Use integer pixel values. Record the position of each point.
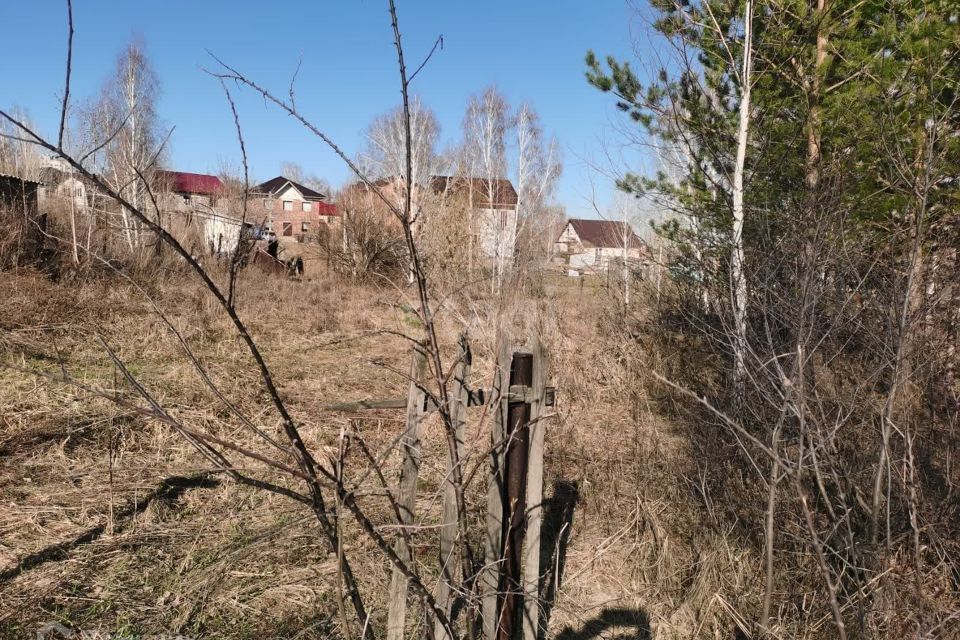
(211, 558)
(642, 552)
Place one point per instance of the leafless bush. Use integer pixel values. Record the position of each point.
(367, 243)
(838, 461)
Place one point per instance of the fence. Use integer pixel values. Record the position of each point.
(509, 576)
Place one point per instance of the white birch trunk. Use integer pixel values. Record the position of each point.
(737, 274)
(73, 229)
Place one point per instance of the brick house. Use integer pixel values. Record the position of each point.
(290, 210)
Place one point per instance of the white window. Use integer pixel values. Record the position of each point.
(268, 204)
(270, 226)
(304, 227)
(308, 206)
(288, 205)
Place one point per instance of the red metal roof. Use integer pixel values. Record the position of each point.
(327, 209)
(193, 183)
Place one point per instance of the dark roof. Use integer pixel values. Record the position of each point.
(504, 195)
(274, 185)
(194, 183)
(606, 234)
(12, 178)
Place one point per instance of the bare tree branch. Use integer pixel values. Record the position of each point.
(66, 84)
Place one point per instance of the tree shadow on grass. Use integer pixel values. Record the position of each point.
(612, 624)
(558, 513)
(168, 492)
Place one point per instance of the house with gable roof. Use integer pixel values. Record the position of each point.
(290, 209)
(596, 245)
(201, 200)
(189, 190)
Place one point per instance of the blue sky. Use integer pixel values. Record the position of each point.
(532, 50)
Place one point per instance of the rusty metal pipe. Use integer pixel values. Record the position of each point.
(514, 502)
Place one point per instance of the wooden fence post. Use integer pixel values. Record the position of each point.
(531, 552)
(407, 492)
(493, 548)
(459, 400)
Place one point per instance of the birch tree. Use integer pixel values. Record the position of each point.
(702, 117)
(126, 119)
(736, 261)
(539, 167)
(625, 212)
(296, 172)
(485, 128)
(385, 153)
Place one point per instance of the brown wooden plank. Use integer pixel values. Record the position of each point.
(407, 493)
(473, 398)
(493, 548)
(531, 551)
(459, 399)
(363, 405)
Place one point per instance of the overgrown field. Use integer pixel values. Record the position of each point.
(111, 521)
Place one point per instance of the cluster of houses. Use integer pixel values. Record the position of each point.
(279, 207)
(288, 211)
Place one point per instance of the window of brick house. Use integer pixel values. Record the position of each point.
(268, 204)
(288, 228)
(288, 205)
(307, 206)
(304, 227)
